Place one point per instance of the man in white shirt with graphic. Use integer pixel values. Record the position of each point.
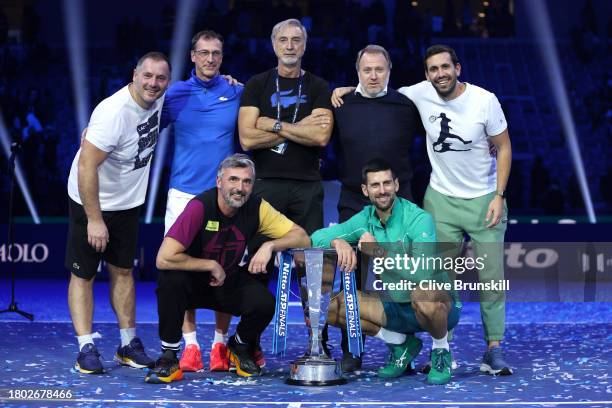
(107, 185)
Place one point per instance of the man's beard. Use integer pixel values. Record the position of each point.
(235, 202)
(451, 89)
(391, 201)
(290, 61)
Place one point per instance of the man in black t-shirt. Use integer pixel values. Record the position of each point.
(285, 118)
(374, 122)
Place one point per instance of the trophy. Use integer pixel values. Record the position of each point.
(315, 270)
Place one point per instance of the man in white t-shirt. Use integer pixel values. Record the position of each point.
(107, 185)
(466, 193)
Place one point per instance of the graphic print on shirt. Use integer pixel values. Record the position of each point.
(286, 100)
(148, 133)
(445, 133)
(226, 247)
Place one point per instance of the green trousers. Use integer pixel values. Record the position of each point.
(456, 216)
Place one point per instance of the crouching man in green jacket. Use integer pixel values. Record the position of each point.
(395, 315)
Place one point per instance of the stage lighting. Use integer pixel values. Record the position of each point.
(74, 17)
(180, 43)
(540, 22)
(5, 140)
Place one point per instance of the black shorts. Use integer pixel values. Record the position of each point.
(300, 201)
(83, 260)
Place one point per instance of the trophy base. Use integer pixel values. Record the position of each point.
(306, 383)
(315, 372)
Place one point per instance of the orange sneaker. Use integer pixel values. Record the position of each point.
(191, 360)
(219, 360)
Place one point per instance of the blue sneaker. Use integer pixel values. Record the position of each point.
(493, 362)
(134, 355)
(88, 360)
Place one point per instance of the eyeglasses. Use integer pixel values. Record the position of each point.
(206, 54)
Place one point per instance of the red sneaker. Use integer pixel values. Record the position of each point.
(191, 360)
(259, 358)
(219, 360)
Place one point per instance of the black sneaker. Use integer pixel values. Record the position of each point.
(165, 370)
(241, 355)
(350, 363)
(134, 355)
(88, 360)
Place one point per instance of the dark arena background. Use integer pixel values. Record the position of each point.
(548, 62)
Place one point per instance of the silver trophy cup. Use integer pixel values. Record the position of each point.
(315, 271)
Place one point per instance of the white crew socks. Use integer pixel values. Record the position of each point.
(390, 337)
(127, 335)
(220, 338)
(85, 339)
(440, 343)
(191, 338)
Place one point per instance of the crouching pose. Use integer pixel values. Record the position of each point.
(394, 315)
(200, 266)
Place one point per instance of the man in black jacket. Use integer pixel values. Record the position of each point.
(374, 122)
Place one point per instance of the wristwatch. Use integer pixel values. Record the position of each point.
(502, 194)
(278, 126)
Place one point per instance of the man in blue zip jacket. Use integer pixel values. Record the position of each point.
(204, 110)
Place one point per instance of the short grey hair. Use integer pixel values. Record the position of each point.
(236, 160)
(285, 23)
(372, 49)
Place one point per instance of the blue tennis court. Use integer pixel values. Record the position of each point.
(560, 353)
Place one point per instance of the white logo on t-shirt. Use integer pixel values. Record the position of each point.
(148, 134)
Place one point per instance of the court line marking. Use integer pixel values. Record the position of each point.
(334, 403)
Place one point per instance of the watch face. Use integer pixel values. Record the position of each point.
(277, 127)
